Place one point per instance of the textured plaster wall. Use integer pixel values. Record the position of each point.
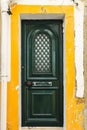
(79, 15)
(85, 62)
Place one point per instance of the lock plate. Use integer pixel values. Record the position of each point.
(42, 84)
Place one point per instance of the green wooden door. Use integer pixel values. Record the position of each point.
(42, 73)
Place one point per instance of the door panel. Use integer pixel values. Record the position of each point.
(42, 105)
(42, 73)
(41, 50)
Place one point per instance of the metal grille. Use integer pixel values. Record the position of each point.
(42, 53)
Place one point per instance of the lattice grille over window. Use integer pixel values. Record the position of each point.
(42, 53)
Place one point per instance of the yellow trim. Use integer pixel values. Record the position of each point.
(74, 116)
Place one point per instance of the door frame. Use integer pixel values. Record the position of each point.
(67, 12)
(42, 17)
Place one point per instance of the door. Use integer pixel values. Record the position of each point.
(42, 73)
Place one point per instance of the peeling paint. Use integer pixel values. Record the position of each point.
(17, 87)
(43, 10)
(80, 101)
(79, 114)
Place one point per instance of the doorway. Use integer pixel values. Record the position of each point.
(42, 73)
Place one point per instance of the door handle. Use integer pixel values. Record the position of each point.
(28, 83)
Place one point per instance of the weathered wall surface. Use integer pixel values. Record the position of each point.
(85, 61)
(74, 107)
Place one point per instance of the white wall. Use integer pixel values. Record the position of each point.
(45, 2)
(79, 43)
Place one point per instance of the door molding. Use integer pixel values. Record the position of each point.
(23, 17)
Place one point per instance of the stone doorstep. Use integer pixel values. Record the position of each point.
(42, 128)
